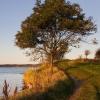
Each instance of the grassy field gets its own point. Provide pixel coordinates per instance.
(87, 72)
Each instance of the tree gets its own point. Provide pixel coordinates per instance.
(97, 54)
(87, 52)
(38, 2)
(52, 28)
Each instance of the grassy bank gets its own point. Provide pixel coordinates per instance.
(60, 87)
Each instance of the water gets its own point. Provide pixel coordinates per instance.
(13, 76)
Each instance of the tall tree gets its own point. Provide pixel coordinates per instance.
(52, 28)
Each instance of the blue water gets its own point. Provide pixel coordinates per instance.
(13, 76)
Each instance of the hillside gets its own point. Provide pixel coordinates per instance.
(89, 74)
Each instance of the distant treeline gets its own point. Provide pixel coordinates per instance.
(19, 65)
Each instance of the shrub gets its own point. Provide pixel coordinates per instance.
(41, 78)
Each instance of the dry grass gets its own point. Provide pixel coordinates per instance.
(42, 78)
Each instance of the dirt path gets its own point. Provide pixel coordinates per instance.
(76, 91)
(78, 85)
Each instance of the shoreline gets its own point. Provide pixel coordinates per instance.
(19, 65)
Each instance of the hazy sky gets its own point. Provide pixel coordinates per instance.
(13, 12)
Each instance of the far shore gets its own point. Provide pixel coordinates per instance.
(19, 65)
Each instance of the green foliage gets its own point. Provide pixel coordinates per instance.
(90, 73)
(52, 28)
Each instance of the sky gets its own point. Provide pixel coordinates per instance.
(13, 12)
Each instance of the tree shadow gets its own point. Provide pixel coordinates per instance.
(60, 91)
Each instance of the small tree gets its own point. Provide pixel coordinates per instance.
(52, 28)
(97, 54)
(87, 52)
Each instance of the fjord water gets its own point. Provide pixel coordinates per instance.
(13, 76)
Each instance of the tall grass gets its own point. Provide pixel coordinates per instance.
(41, 79)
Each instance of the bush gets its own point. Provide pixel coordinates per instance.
(41, 78)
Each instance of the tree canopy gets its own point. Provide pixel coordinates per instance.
(52, 28)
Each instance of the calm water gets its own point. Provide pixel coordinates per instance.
(13, 76)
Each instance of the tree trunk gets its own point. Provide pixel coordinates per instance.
(86, 57)
(50, 59)
(51, 64)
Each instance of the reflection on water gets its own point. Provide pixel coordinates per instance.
(13, 76)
